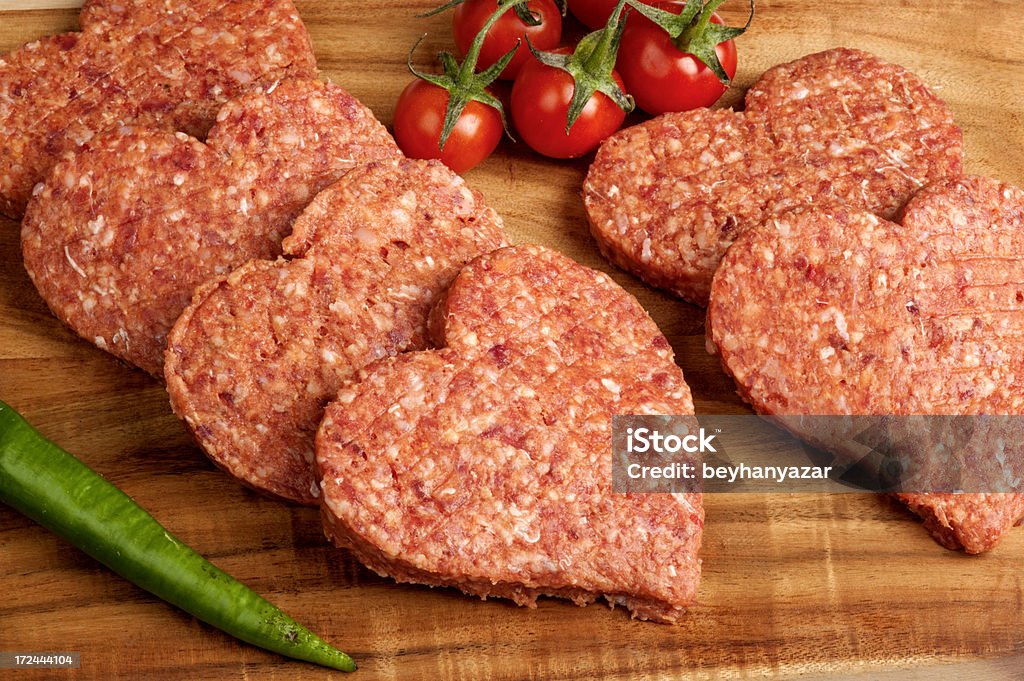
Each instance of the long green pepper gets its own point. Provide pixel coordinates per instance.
(61, 493)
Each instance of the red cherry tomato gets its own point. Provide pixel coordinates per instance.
(540, 105)
(419, 116)
(660, 76)
(594, 13)
(470, 17)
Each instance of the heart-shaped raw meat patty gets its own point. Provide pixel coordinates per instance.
(256, 356)
(486, 465)
(841, 312)
(165, 64)
(667, 197)
(121, 233)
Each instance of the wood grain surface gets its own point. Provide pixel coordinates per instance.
(843, 586)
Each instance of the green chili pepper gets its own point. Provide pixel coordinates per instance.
(64, 495)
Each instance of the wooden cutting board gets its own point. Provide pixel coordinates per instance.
(841, 586)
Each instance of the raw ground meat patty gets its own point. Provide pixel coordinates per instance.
(120, 234)
(666, 198)
(256, 356)
(486, 465)
(167, 64)
(841, 312)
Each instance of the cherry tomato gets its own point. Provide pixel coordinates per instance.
(594, 13)
(419, 116)
(540, 105)
(470, 17)
(660, 76)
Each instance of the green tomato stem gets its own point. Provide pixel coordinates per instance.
(597, 58)
(697, 29)
(468, 70)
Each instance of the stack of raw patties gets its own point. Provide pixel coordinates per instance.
(847, 267)
(293, 261)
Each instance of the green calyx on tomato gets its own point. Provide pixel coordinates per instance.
(528, 17)
(591, 65)
(693, 32)
(543, 28)
(461, 81)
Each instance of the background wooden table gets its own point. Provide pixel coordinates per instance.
(838, 586)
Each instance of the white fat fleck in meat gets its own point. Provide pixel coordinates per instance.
(318, 105)
(645, 250)
(242, 77)
(295, 288)
(340, 307)
(401, 218)
(840, 321)
(621, 223)
(782, 227)
(121, 337)
(80, 137)
(408, 200)
(74, 265)
(408, 292)
(366, 237)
